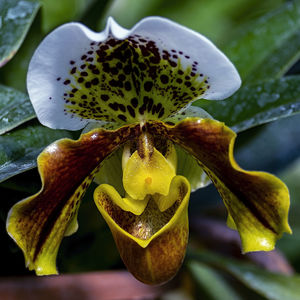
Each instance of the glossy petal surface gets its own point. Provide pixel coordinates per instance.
(258, 202)
(67, 167)
(147, 73)
(152, 245)
(148, 175)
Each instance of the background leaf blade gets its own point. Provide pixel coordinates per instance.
(261, 39)
(257, 104)
(16, 17)
(15, 109)
(20, 148)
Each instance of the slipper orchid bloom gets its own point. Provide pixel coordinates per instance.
(143, 143)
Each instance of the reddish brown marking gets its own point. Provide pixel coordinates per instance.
(63, 170)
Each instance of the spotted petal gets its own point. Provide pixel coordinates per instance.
(67, 167)
(257, 202)
(148, 73)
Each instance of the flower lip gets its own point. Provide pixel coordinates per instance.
(115, 226)
(65, 96)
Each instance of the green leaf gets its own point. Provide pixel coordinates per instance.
(15, 109)
(270, 285)
(95, 15)
(257, 104)
(15, 19)
(267, 35)
(20, 148)
(277, 63)
(58, 12)
(205, 276)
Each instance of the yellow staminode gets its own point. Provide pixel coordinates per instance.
(147, 175)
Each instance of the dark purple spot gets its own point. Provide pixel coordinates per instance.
(162, 111)
(134, 102)
(104, 97)
(148, 86)
(127, 86)
(142, 109)
(164, 79)
(170, 123)
(95, 81)
(127, 70)
(66, 82)
(114, 106)
(173, 64)
(72, 62)
(150, 104)
(155, 59)
(122, 107)
(121, 77)
(122, 117)
(114, 71)
(142, 66)
(158, 107)
(131, 111)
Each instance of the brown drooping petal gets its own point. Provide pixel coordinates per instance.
(257, 202)
(67, 167)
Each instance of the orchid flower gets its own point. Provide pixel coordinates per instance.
(143, 143)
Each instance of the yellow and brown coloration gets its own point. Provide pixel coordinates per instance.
(152, 245)
(67, 168)
(257, 202)
(137, 79)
